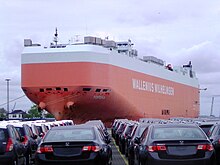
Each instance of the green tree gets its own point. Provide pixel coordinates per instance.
(3, 113)
(34, 113)
(49, 115)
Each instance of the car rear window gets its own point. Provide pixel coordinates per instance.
(178, 133)
(3, 135)
(70, 135)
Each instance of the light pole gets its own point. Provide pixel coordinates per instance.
(7, 81)
(213, 98)
(201, 89)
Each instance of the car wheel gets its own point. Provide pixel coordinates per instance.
(15, 162)
(24, 161)
(109, 161)
(28, 159)
(126, 152)
(122, 150)
(142, 162)
(130, 161)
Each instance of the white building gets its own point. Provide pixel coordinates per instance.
(16, 114)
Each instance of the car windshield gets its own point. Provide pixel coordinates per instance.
(70, 135)
(177, 133)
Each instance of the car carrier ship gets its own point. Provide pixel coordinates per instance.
(103, 79)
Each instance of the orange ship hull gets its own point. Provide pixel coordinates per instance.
(89, 90)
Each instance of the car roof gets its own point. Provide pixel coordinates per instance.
(170, 125)
(73, 126)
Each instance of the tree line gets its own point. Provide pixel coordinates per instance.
(32, 113)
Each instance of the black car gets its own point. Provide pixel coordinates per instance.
(78, 144)
(176, 144)
(102, 129)
(29, 141)
(206, 126)
(125, 134)
(115, 125)
(12, 150)
(214, 136)
(131, 141)
(129, 137)
(119, 131)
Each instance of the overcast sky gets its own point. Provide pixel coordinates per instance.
(177, 31)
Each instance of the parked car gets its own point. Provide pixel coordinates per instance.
(115, 125)
(119, 131)
(78, 144)
(131, 143)
(206, 126)
(124, 135)
(12, 150)
(214, 136)
(176, 144)
(101, 127)
(35, 131)
(129, 137)
(29, 142)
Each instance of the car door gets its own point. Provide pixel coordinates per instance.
(140, 147)
(3, 140)
(18, 146)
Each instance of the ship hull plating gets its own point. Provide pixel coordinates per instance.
(91, 90)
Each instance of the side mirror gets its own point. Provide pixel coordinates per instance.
(129, 137)
(22, 139)
(108, 141)
(137, 140)
(41, 135)
(35, 136)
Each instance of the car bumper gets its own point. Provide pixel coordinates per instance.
(7, 158)
(155, 160)
(40, 159)
(179, 162)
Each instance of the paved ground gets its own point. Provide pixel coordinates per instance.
(117, 157)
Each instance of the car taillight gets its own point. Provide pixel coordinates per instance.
(25, 142)
(156, 148)
(205, 147)
(218, 141)
(45, 149)
(9, 146)
(91, 148)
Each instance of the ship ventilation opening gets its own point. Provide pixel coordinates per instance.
(41, 90)
(86, 89)
(106, 90)
(58, 88)
(65, 89)
(98, 90)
